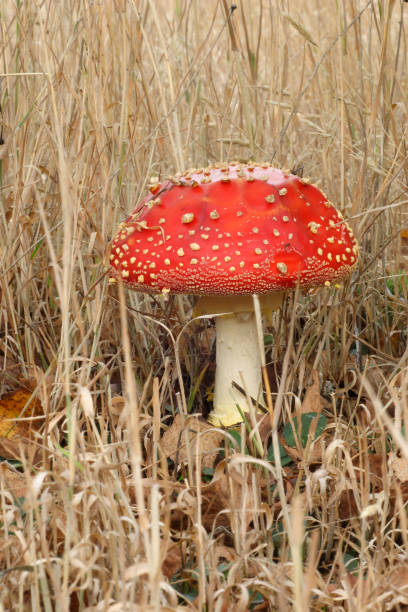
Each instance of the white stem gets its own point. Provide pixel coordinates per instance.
(238, 359)
(239, 345)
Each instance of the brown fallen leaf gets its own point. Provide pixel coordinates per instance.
(398, 578)
(399, 466)
(264, 426)
(118, 607)
(313, 401)
(166, 487)
(353, 588)
(224, 552)
(391, 587)
(371, 468)
(12, 481)
(366, 411)
(15, 432)
(174, 440)
(347, 505)
(9, 371)
(231, 495)
(172, 562)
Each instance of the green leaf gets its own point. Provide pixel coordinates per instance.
(306, 422)
(237, 437)
(65, 453)
(397, 283)
(196, 387)
(256, 599)
(208, 473)
(284, 457)
(38, 246)
(351, 562)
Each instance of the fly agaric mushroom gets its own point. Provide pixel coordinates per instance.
(225, 233)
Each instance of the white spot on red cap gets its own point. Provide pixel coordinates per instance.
(282, 267)
(313, 226)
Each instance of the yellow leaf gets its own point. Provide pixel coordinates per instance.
(14, 431)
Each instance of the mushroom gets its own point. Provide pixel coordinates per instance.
(224, 233)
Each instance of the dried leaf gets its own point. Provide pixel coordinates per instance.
(118, 607)
(119, 415)
(224, 552)
(231, 494)
(12, 481)
(167, 487)
(366, 411)
(264, 426)
(172, 563)
(398, 578)
(195, 432)
(10, 370)
(313, 400)
(15, 432)
(363, 589)
(399, 466)
(6, 139)
(213, 505)
(347, 505)
(373, 466)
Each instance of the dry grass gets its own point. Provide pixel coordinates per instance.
(96, 98)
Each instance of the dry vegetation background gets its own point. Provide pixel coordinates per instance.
(100, 509)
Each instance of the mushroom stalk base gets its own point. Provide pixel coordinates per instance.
(238, 352)
(239, 360)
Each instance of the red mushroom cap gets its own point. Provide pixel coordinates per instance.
(233, 229)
